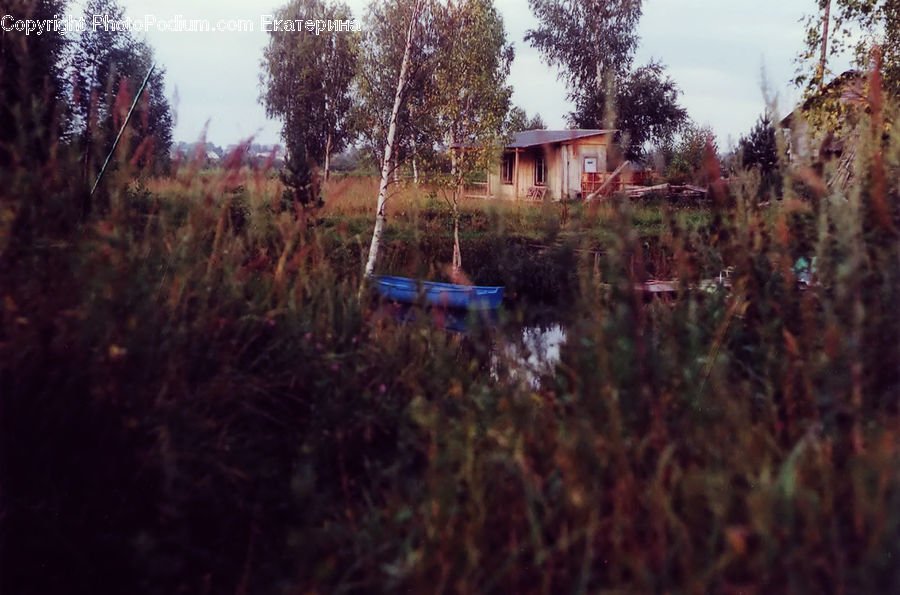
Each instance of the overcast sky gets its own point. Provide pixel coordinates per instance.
(716, 50)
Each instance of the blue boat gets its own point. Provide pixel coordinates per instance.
(446, 295)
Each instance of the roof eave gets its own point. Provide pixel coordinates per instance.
(558, 141)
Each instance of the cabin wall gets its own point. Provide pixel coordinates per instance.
(555, 172)
(526, 172)
(799, 139)
(565, 163)
(575, 153)
(499, 189)
(527, 165)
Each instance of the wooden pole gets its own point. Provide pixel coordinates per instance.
(516, 174)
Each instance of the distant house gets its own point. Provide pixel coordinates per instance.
(551, 165)
(807, 143)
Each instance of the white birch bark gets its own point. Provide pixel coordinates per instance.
(389, 147)
(457, 194)
(328, 158)
(415, 167)
(457, 254)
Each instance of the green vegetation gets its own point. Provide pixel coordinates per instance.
(193, 397)
(593, 45)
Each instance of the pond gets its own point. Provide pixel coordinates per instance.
(526, 347)
(530, 354)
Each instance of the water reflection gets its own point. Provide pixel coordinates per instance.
(524, 351)
(531, 355)
(462, 322)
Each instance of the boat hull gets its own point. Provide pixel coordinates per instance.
(445, 295)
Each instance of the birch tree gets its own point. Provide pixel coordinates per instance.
(470, 97)
(387, 159)
(106, 69)
(307, 82)
(591, 41)
(383, 48)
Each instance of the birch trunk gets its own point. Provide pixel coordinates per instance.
(457, 254)
(389, 147)
(328, 157)
(414, 165)
(824, 58)
(457, 192)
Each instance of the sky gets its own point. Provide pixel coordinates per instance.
(721, 53)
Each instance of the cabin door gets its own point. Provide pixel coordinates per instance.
(574, 165)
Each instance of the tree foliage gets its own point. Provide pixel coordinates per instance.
(517, 120)
(586, 39)
(593, 43)
(307, 82)
(453, 93)
(31, 84)
(759, 148)
(855, 27)
(684, 157)
(646, 108)
(381, 53)
(470, 96)
(107, 69)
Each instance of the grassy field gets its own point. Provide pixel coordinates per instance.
(196, 399)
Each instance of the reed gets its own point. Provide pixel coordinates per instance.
(192, 398)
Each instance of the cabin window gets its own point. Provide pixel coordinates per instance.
(540, 171)
(506, 169)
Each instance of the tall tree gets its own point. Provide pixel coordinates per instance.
(382, 51)
(451, 91)
(413, 27)
(517, 120)
(307, 79)
(646, 108)
(471, 97)
(31, 84)
(107, 68)
(591, 41)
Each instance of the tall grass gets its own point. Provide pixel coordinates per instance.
(193, 399)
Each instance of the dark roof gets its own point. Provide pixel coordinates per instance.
(846, 88)
(532, 138)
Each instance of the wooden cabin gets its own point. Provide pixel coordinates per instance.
(847, 94)
(551, 165)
